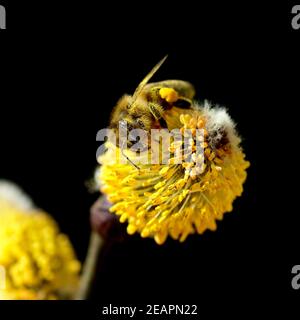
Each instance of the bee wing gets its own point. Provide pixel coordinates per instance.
(184, 88)
(141, 86)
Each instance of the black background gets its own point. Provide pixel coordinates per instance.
(62, 70)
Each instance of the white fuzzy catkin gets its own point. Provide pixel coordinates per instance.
(13, 194)
(218, 122)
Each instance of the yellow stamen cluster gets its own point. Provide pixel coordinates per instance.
(38, 260)
(176, 199)
(191, 160)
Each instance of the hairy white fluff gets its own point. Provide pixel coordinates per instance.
(13, 194)
(218, 122)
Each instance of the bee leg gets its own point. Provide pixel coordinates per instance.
(172, 96)
(183, 88)
(161, 94)
(156, 110)
(169, 96)
(127, 158)
(163, 123)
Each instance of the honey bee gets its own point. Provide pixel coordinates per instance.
(146, 107)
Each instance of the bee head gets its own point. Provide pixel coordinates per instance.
(134, 133)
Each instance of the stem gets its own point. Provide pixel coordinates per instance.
(95, 246)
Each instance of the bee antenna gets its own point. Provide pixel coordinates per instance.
(148, 77)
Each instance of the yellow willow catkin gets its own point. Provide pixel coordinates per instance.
(38, 260)
(179, 199)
